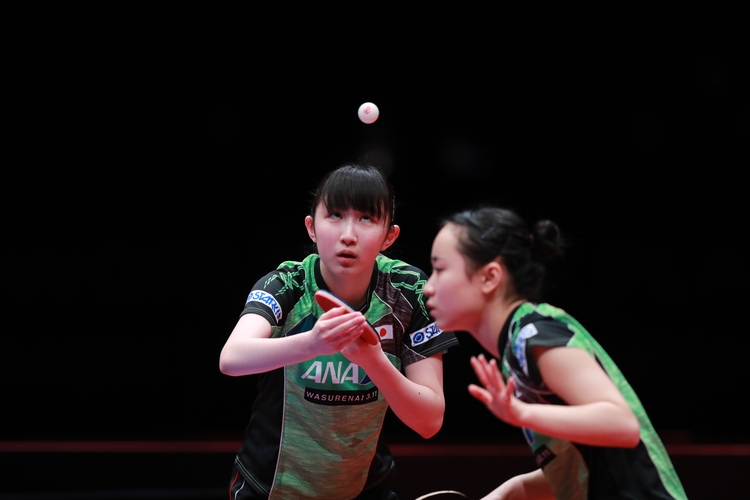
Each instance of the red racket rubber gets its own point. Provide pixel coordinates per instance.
(328, 301)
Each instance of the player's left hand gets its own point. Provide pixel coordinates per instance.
(359, 350)
(496, 395)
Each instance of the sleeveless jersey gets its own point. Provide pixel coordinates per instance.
(315, 426)
(573, 470)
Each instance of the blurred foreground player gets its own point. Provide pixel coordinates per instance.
(586, 427)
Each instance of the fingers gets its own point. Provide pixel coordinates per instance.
(495, 375)
(491, 378)
(337, 316)
(494, 392)
(487, 372)
(476, 365)
(334, 312)
(481, 394)
(340, 326)
(510, 388)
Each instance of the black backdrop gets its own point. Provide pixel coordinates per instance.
(158, 160)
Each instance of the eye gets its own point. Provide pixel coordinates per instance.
(372, 218)
(334, 215)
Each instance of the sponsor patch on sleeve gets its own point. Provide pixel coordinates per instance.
(425, 334)
(519, 345)
(267, 299)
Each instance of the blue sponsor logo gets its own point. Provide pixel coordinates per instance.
(425, 334)
(519, 345)
(267, 299)
(529, 435)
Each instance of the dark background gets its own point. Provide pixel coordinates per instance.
(158, 160)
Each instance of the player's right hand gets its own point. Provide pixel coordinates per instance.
(336, 329)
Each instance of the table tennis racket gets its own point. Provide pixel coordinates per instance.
(327, 301)
(442, 494)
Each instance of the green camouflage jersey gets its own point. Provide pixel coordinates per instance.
(577, 471)
(315, 427)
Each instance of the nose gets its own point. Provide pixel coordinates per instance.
(348, 233)
(429, 289)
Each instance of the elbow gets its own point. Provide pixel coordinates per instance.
(633, 438)
(431, 428)
(225, 365)
(629, 441)
(432, 421)
(429, 433)
(631, 434)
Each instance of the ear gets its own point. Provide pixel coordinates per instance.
(310, 225)
(491, 276)
(393, 233)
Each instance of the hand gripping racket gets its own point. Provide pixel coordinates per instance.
(328, 301)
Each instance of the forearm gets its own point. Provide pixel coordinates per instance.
(419, 406)
(250, 348)
(598, 424)
(248, 355)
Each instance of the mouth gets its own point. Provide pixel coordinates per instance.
(346, 257)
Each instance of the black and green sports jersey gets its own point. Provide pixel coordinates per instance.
(573, 470)
(315, 427)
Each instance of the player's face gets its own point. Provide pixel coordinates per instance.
(348, 240)
(453, 298)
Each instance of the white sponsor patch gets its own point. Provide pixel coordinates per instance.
(267, 299)
(519, 346)
(425, 334)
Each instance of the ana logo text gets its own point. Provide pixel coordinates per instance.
(333, 373)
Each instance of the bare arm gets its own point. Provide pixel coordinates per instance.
(249, 348)
(597, 414)
(532, 485)
(417, 398)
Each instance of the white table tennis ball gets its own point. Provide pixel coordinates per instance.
(368, 112)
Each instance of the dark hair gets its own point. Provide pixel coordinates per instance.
(358, 186)
(491, 232)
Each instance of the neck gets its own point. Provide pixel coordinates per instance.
(351, 289)
(490, 327)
